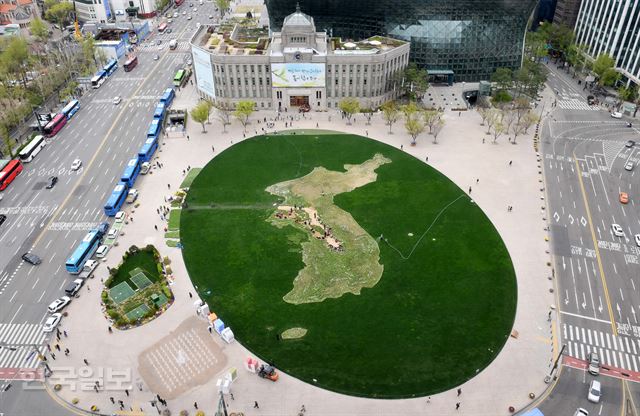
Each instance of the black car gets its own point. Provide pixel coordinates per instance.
(103, 228)
(52, 182)
(31, 259)
(630, 143)
(169, 30)
(3, 218)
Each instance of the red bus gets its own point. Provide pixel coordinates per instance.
(130, 64)
(162, 27)
(9, 173)
(55, 125)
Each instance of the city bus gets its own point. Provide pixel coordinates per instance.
(10, 170)
(162, 27)
(98, 79)
(55, 125)
(154, 129)
(84, 251)
(167, 97)
(131, 172)
(111, 67)
(180, 77)
(71, 108)
(117, 198)
(159, 111)
(148, 149)
(130, 64)
(32, 149)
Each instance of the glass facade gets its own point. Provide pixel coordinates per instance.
(470, 37)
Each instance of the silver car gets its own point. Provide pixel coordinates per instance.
(617, 230)
(52, 322)
(629, 166)
(594, 363)
(59, 304)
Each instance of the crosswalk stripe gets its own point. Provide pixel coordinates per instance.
(589, 336)
(626, 341)
(571, 332)
(602, 338)
(626, 356)
(608, 341)
(615, 360)
(620, 346)
(595, 338)
(582, 356)
(602, 354)
(584, 338)
(621, 359)
(633, 344)
(635, 364)
(608, 357)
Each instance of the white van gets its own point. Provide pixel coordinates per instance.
(173, 44)
(144, 169)
(201, 2)
(102, 251)
(132, 196)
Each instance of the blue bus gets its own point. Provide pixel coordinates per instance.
(117, 198)
(111, 67)
(154, 129)
(159, 112)
(148, 149)
(167, 97)
(71, 108)
(84, 251)
(131, 172)
(98, 79)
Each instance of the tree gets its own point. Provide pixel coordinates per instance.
(367, 113)
(200, 114)
(558, 37)
(517, 129)
(58, 12)
(503, 78)
(536, 45)
(628, 93)
(223, 6)
(413, 81)
(484, 113)
(414, 125)
(575, 56)
(529, 120)
(14, 59)
(409, 109)
(610, 77)
(498, 129)
(8, 141)
(243, 111)
(493, 117)
(390, 113)
(223, 113)
(431, 118)
(39, 30)
(349, 106)
(437, 128)
(602, 63)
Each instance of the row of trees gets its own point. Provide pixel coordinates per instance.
(527, 80)
(512, 119)
(201, 113)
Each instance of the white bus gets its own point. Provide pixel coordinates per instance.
(32, 149)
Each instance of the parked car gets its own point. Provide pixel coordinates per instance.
(102, 251)
(189, 17)
(52, 322)
(77, 164)
(594, 391)
(156, 57)
(120, 216)
(581, 412)
(117, 100)
(594, 363)
(616, 114)
(630, 143)
(103, 228)
(73, 287)
(58, 304)
(31, 259)
(617, 230)
(51, 182)
(624, 197)
(132, 195)
(113, 234)
(629, 166)
(169, 30)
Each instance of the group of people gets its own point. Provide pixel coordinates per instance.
(326, 234)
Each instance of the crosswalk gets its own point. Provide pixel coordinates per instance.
(183, 46)
(19, 343)
(620, 352)
(576, 104)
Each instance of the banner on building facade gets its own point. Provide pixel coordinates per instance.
(204, 72)
(297, 75)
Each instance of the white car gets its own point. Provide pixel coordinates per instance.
(184, 13)
(189, 17)
(170, 21)
(195, 9)
(52, 322)
(59, 304)
(594, 392)
(616, 114)
(117, 100)
(629, 166)
(617, 230)
(102, 251)
(112, 234)
(77, 164)
(581, 412)
(210, 16)
(120, 216)
(175, 15)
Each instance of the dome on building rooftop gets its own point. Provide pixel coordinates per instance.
(298, 19)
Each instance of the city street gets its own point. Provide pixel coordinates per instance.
(584, 153)
(51, 222)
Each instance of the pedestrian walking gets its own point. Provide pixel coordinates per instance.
(112, 400)
(158, 210)
(110, 330)
(510, 162)
(457, 405)
(231, 394)
(426, 159)
(53, 355)
(483, 140)
(188, 168)
(469, 190)
(95, 388)
(88, 290)
(85, 361)
(126, 392)
(213, 149)
(188, 138)
(459, 392)
(57, 347)
(429, 400)
(316, 124)
(183, 172)
(190, 295)
(303, 409)
(401, 146)
(66, 352)
(477, 181)
(255, 405)
(459, 113)
(131, 219)
(549, 318)
(49, 347)
(168, 186)
(195, 404)
(156, 227)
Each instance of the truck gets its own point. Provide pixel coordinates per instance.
(88, 269)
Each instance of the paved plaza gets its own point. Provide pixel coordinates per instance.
(176, 357)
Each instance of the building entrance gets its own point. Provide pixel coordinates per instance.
(298, 100)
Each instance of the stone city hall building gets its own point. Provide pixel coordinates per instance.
(296, 67)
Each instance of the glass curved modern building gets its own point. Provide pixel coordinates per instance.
(469, 37)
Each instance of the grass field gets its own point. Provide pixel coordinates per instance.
(441, 311)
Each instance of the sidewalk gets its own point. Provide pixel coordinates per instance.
(518, 371)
